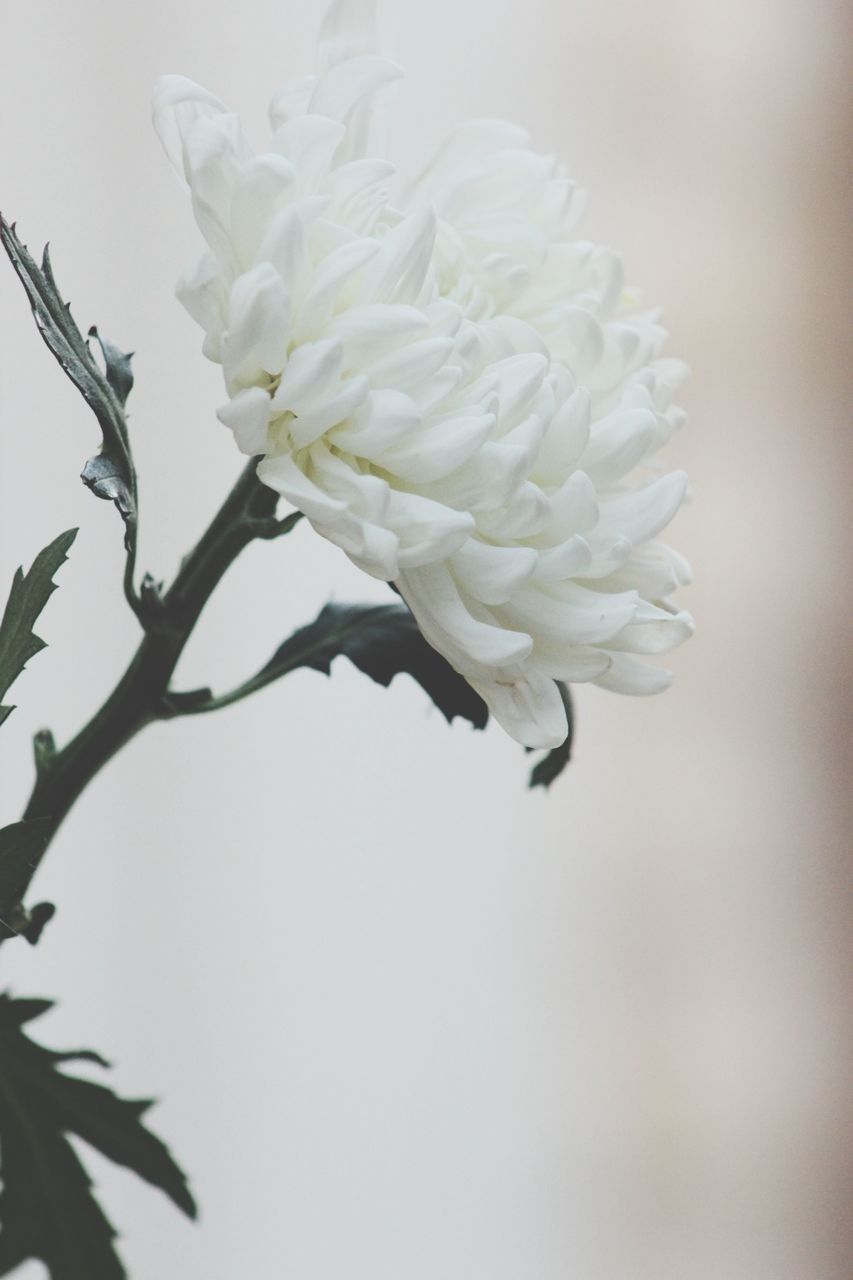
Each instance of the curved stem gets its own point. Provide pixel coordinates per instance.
(140, 696)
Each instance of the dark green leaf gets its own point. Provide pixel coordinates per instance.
(381, 640)
(47, 1209)
(30, 593)
(553, 764)
(109, 474)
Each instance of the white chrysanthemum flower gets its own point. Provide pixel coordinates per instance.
(451, 389)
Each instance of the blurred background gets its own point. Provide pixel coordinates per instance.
(407, 1020)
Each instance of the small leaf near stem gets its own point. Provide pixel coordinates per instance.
(22, 844)
(29, 594)
(269, 527)
(47, 1209)
(110, 472)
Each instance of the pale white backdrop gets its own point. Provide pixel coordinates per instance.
(408, 1021)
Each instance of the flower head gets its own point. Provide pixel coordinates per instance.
(453, 389)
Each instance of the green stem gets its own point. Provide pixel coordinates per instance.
(140, 696)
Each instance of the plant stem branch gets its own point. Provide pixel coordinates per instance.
(140, 696)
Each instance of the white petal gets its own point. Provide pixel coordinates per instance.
(574, 509)
(433, 452)
(515, 381)
(524, 517)
(569, 614)
(469, 645)
(413, 364)
(565, 439)
(567, 560)
(248, 415)
(283, 245)
(372, 548)
(312, 375)
(328, 282)
(427, 530)
(574, 663)
(398, 272)
(530, 709)
(202, 291)
(348, 30)
(378, 554)
(258, 191)
(640, 515)
(628, 675)
(608, 556)
(462, 149)
(256, 339)
(654, 631)
(283, 475)
(309, 425)
(655, 570)
(618, 444)
(309, 143)
(373, 329)
(382, 419)
(365, 494)
(213, 161)
(177, 104)
(492, 574)
(338, 91)
(291, 100)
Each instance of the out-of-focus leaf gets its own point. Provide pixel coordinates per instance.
(47, 1207)
(30, 593)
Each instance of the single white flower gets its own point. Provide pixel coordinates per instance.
(452, 389)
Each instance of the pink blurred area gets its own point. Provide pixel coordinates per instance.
(408, 1020)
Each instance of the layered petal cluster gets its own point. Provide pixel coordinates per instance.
(452, 389)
